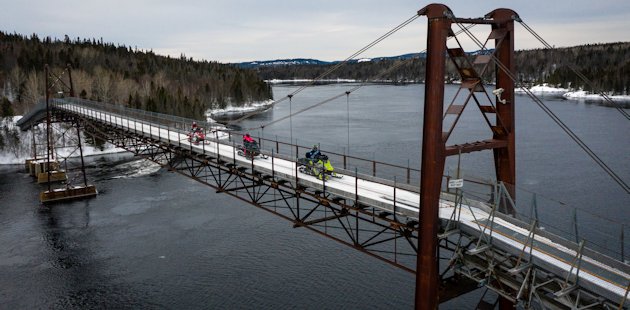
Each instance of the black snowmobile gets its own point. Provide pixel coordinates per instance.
(251, 150)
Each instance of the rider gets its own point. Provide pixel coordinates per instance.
(248, 139)
(314, 153)
(248, 142)
(191, 134)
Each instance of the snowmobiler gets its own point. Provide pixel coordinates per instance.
(314, 152)
(250, 148)
(317, 164)
(196, 135)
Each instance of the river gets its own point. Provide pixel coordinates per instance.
(155, 239)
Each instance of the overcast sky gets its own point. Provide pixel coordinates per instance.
(245, 30)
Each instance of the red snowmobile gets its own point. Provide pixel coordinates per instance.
(196, 136)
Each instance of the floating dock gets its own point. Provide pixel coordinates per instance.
(69, 193)
(55, 176)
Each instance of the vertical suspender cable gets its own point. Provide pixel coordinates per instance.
(353, 89)
(348, 113)
(291, 125)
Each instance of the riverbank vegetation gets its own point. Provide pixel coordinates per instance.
(607, 66)
(125, 75)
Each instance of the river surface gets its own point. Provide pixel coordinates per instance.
(155, 239)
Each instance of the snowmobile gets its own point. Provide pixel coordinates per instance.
(251, 150)
(196, 136)
(318, 166)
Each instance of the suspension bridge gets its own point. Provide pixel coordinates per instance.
(408, 226)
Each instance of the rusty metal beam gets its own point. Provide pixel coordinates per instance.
(490, 144)
(432, 165)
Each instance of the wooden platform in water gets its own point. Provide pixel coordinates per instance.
(55, 176)
(70, 193)
(37, 166)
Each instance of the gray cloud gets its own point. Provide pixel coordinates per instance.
(239, 30)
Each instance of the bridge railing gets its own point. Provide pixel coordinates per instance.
(366, 167)
(603, 235)
(175, 123)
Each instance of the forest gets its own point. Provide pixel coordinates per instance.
(606, 66)
(123, 75)
(186, 87)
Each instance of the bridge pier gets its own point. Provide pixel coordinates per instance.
(51, 165)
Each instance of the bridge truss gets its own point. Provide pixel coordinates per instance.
(470, 259)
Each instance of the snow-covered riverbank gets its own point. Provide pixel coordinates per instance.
(547, 91)
(587, 96)
(18, 145)
(231, 113)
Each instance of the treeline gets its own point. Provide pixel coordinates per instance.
(120, 74)
(607, 66)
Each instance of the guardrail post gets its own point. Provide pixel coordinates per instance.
(623, 258)
(373, 168)
(356, 203)
(534, 211)
(297, 194)
(575, 225)
(273, 169)
(395, 218)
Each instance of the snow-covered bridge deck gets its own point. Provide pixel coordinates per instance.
(586, 269)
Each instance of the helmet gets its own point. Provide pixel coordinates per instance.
(194, 124)
(315, 146)
(247, 135)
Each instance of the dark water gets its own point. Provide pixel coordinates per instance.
(160, 240)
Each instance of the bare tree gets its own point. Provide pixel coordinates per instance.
(33, 90)
(82, 83)
(102, 85)
(16, 80)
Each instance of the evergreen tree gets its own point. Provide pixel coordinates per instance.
(5, 108)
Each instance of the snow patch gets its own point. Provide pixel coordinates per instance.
(236, 112)
(543, 90)
(279, 81)
(587, 96)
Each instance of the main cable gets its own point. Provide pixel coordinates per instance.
(552, 115)
(336, 66)
(579, 74)
(351, 90)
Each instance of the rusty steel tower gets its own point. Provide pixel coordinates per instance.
(499, 117)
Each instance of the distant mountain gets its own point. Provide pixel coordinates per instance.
(606, 65)
(309, 61)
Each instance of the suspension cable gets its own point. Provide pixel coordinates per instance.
(550, 113)
(579, 74)
(351, 90)
(336, 66)
(359, 52)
